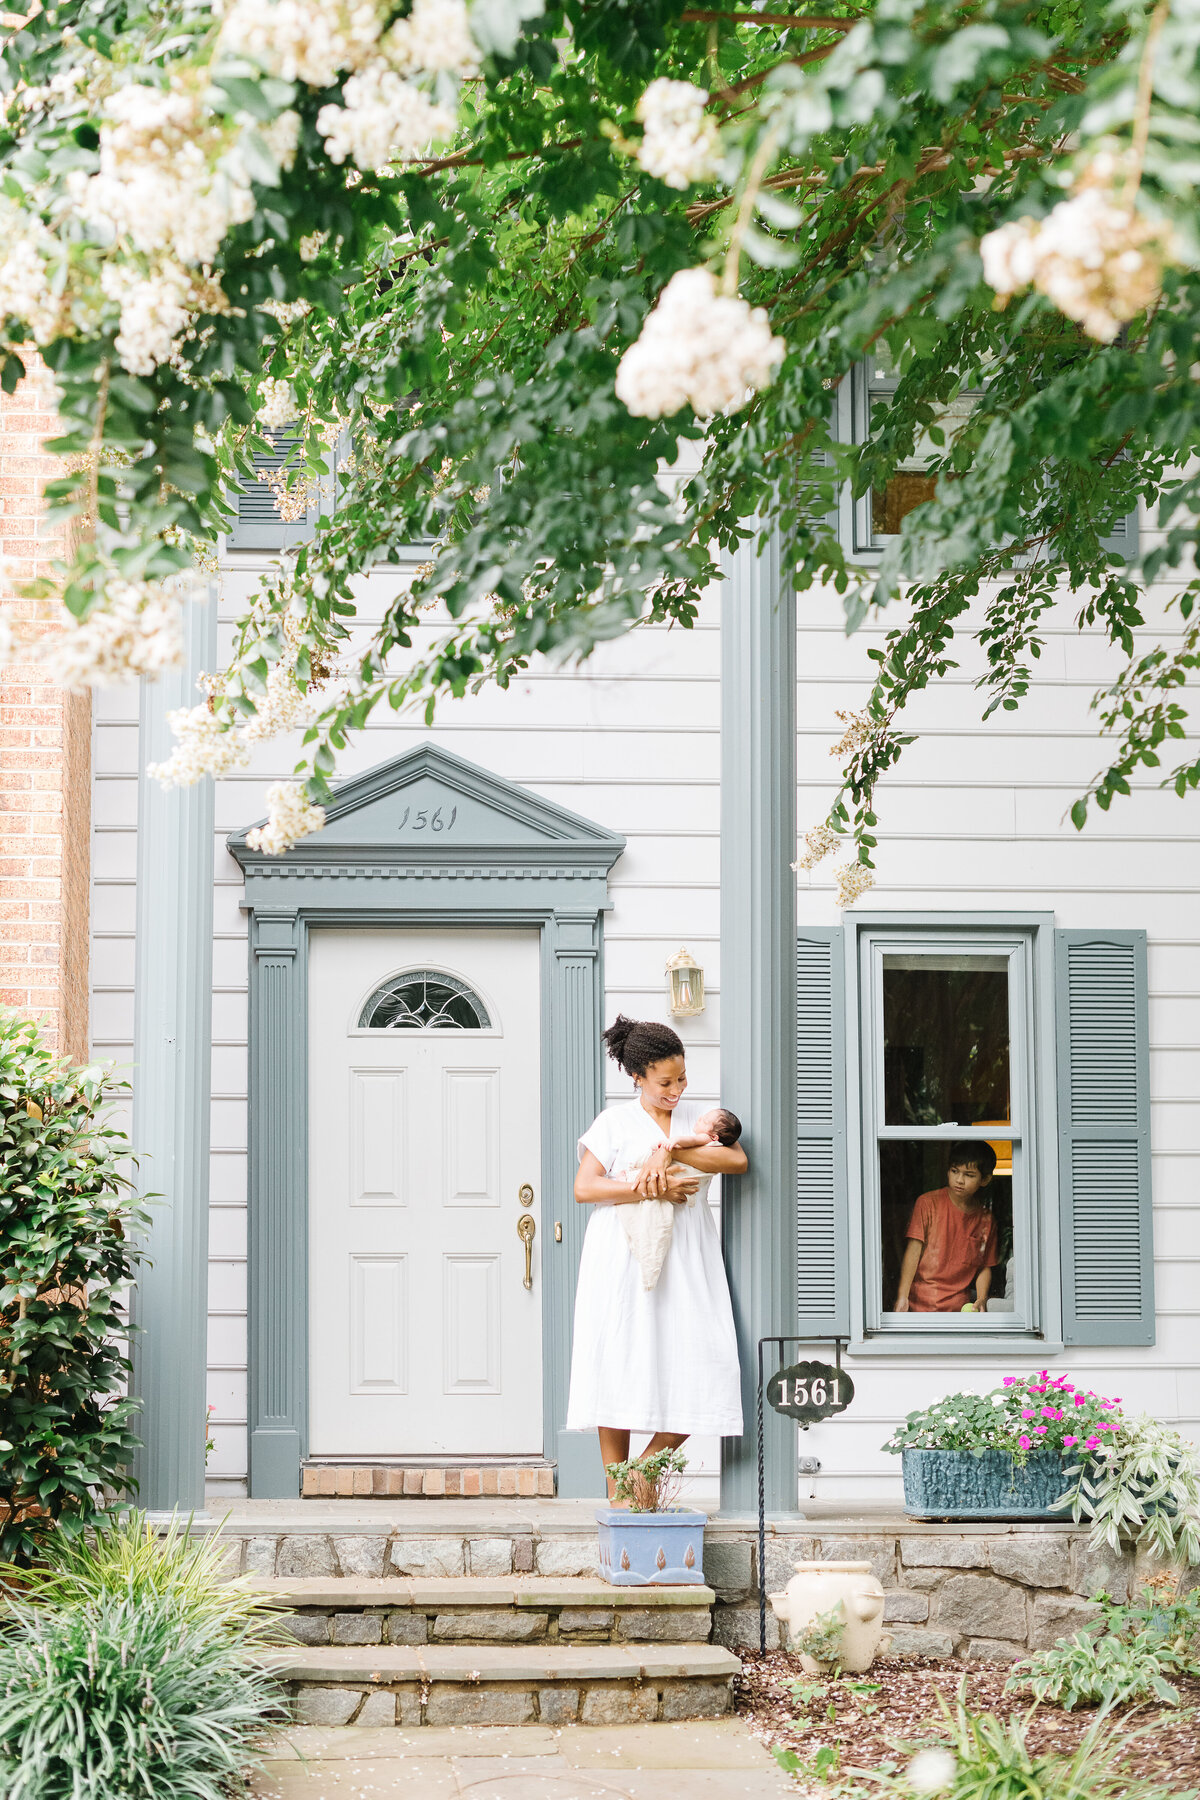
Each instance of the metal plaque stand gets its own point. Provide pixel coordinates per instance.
(837, 1342)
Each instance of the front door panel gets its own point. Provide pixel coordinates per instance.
(423, 1129)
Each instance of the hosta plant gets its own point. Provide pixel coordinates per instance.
(1143, 1490)
(68, 1221)
(1127, 1655)
(128, 1671)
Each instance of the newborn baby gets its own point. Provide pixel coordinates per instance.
(648, 1223)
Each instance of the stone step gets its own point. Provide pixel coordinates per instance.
(474, 1610)
(556, 1684)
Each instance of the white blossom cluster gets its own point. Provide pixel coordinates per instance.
(27, 289)
(302, 40)
(818, 843)
(290, 817)
(932, 1771)
(154, 311)
(858, 730)
(1093, 255)
(276, 403)
(385, 117)
(681, 144)
(435, 38)
(710, 351)
(853, 879)
(135, 632)
(203, 747)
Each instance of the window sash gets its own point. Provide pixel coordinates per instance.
(1017, 947)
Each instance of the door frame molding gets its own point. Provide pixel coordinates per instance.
(550, 872)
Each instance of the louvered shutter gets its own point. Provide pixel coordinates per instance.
(1104, 1137)
(822, 1271)
(1123, 538)
(258, 525)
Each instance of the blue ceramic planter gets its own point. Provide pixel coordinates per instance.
(955, 1484)
(664, 1549)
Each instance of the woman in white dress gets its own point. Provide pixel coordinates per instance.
(662, 1360)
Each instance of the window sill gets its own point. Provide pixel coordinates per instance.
(941, 1343)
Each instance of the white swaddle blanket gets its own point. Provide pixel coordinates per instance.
(648, 1224)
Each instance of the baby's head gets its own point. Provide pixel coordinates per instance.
(720, 1123)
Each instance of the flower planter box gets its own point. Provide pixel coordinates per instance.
(956, 1484)
(662, 1549)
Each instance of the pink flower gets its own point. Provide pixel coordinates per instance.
(1051, 1412)
(1093, 1443)
(1010, 1381)
(1068, 1387)
(1040, 1429)
(1027, 1412)
(1068, 1441)
(1023, 1441)
(1079, 1400)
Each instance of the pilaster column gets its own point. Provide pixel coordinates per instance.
(171, 1090)
(758, 990)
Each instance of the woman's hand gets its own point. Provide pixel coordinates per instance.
(651, 1184)
(680, 1188)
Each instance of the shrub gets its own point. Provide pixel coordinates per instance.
(128, 1671)
(67, 1218)
(1124, 1656)
(1144, 1491)
(649, 1483)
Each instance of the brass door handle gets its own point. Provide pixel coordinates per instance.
(525, 1231)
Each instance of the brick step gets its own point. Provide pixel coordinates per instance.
(474, 1610)
(446, 1480)
(557, 1684)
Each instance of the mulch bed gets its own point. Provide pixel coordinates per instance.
(865, 1727)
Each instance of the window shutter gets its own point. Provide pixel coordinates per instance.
(258, 525)
(822, 1271)
(1123, 538)
(1104, 1137)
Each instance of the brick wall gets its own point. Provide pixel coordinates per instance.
(45, 763)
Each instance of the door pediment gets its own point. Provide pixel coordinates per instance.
(430, 807)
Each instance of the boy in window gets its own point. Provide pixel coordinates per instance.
(952, 1239)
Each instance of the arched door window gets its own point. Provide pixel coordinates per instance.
(424, 1000)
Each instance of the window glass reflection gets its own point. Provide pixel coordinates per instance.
(910, 485)
(945, 1040)
(947, 1227)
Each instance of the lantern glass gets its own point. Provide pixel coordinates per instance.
(686, 991)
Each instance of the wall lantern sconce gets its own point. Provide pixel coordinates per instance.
(686, 985)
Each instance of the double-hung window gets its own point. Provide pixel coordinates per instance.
(993, 1044)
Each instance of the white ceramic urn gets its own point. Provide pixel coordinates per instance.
(820, 1587)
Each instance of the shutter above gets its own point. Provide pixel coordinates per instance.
(822, 1271)
(258, 525)
(1104, 1137)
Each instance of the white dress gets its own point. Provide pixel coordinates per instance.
(658, 1359)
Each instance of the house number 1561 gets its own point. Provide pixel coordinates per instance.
(810, 1391)
(424, 820)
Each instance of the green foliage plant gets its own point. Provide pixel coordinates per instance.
(1024, 1415)
(1126, 1656)
(129, 1671)
(980, 1757)
(649, 1483)
(1144, 1491)
(68, 1224)
(460, 317)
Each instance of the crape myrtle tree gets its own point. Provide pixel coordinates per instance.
(519, 259)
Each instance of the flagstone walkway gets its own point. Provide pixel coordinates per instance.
(711, 1759)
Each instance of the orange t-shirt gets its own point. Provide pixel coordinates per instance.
(957, 1245)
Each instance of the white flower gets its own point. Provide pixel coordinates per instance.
(27, 289)
(310, 246)
(302, 40)
(435, 36)
(932, 1771)
(853, 879)
(203, 748)
(133, 630)
(997, 1399)
(385, 118)
(818, 844)
(699, 348)
(153, 313)
(276, 404)
(290, 817)
(681, 144)
(1096, 258)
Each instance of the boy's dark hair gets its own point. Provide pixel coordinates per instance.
(729, 1126)
(636, 1043)
(973, 1150)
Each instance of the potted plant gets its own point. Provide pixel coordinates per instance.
(651, 1541)
(1038, 1447)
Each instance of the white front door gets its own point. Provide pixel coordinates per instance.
(424, 1155)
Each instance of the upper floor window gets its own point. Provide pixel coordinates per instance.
(424, 1000)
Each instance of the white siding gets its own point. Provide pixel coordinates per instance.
(974, 819)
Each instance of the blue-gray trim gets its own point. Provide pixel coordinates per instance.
(172, 1035)
(1103, 1058)
(519, 860)
(758, 1000)
(822, 1221)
